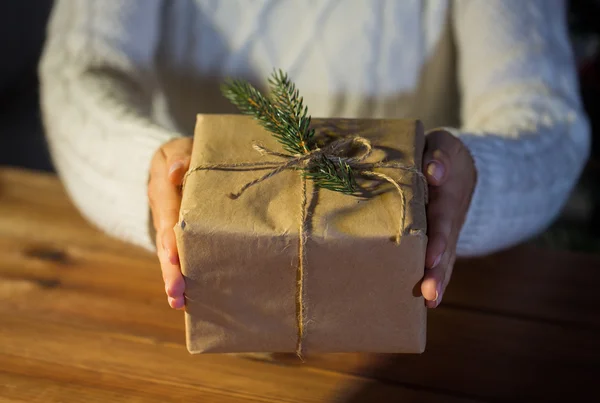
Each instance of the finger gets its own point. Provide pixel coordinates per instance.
(441, 248)
(440, 148)
(436, 279)
(431, 287)
(165, 201)
(177, 169)
(439, 227)
(169, 244)
(439, 277)
(443, 229)
(442, 235)
(177, 154)
(176, 303)
(172, 277)
(436, 166)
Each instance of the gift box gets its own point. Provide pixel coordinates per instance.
(291, 267)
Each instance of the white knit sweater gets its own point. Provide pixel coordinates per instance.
(121, 77)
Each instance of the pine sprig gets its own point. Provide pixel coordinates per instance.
(285, 116)
(251, 102)
(287, 99)
(332, 174)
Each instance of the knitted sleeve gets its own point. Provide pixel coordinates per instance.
(96, 84)
(522, 118)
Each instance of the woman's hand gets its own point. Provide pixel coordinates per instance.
(168, 166)
(451, 176)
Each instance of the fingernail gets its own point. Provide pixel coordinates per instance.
(167, 287)
(176, 165)
(435, 170)
(171, 301)
(176, 303)
(437, 294)
(437, 261)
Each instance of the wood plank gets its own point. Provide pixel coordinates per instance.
(111, 356)
(78, 308)
(33, 380)
(469, 354)
(530, 283)
(34, 204)
(488, 357)
(76, 266)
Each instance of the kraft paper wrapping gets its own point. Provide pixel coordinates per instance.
(240, 257)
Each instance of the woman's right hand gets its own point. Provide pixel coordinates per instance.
(168, 167)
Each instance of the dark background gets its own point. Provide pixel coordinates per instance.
(22, 33)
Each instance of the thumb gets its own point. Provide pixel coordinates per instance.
(436, 162)
(177, 154)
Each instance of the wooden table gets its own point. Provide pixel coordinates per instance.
(83, 318)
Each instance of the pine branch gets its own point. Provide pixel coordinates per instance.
(334, 175)
(287, 99)
(285, 116)
(251, 102)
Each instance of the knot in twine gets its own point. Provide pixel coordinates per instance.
(352, 151)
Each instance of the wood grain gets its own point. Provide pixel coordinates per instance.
(83, 317)
(538, 285)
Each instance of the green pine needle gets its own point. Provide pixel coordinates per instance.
(287, 99)
(334, 175)
(251, 102)
(285, 116)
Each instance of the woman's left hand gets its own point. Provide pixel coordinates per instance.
(451, 175)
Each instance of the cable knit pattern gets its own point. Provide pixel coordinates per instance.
(121, 77)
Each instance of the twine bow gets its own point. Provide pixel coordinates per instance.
(338, 151)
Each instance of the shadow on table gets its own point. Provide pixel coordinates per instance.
(388, 391)
(392, 382)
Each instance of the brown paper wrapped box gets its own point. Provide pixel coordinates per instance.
(360, 290)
